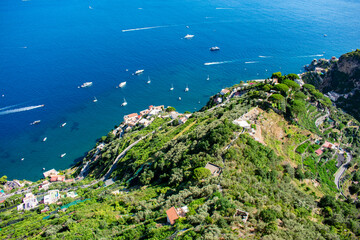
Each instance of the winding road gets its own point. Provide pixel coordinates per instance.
(341, 171)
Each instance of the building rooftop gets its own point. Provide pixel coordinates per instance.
(50, 172)
(172, 215)
(319, 152)
(214, 169)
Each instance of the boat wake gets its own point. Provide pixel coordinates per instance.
(217, 63)
(12, 106)
(265, 56)
(19, 109)
(220, 8)
(251, 62)
(316, 55)
(144, 28)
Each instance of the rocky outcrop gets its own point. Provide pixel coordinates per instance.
(339, 79)
(344, 75)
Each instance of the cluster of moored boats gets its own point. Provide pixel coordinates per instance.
(123, 84)
(45, 138)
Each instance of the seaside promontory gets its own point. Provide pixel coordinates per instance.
(265, 159)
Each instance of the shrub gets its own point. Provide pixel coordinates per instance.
(201, 173)
(268, 215)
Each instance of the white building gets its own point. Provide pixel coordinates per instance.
(182, 120)
(144, 122)
(154, 112)
(29, 202)
(52, 197)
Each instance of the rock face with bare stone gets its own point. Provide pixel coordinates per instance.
(343, 78)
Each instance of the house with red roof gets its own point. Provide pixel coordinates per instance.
(57, 178)
(224, 91)
(175, 213)
(328, 145)
(319, 152)
(171, 215)
(131, 116)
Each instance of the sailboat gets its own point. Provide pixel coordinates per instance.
(63, 155)
(149, 81)
(172, 87)
(95, 100)
(124, 103)
(187, 88)
(45, 138)
(208, 78)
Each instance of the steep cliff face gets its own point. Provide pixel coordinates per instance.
(343, 78)
(344, 75)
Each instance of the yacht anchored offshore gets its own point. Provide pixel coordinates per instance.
(86, 84)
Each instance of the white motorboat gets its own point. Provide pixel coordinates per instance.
(43, 169)
(86, 84)
(95, 100)
(189, 36)
(179, 98)
(214, 48)
(139, 72)
(35, 122)
(63, 125)
(186, 89)
(148, 81)
(63, 155)
(124, 103)
(208, 78)
(45, 138)
(22, 159)
(122, 84)
(172, 87)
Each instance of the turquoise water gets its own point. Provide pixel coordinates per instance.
(50, 47)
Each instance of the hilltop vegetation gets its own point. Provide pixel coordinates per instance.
(269, 170)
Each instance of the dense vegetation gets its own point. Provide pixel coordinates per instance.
(274, 175)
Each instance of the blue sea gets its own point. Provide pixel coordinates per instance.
(50, 47)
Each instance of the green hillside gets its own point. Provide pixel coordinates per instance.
(269, 170)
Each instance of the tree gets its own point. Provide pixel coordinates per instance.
(291, 84)
(299, 174)
(309, 87)
(267, 88)
(276, 98)
(146, 177)
(268, 215)
(292, 76)
(289, 170)
(282, 88)
(300, 95)
(3, 179)
(177, 176)
(277, 75)
(201, 173)
(170, 109)
(328, 201)
(298, 107)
